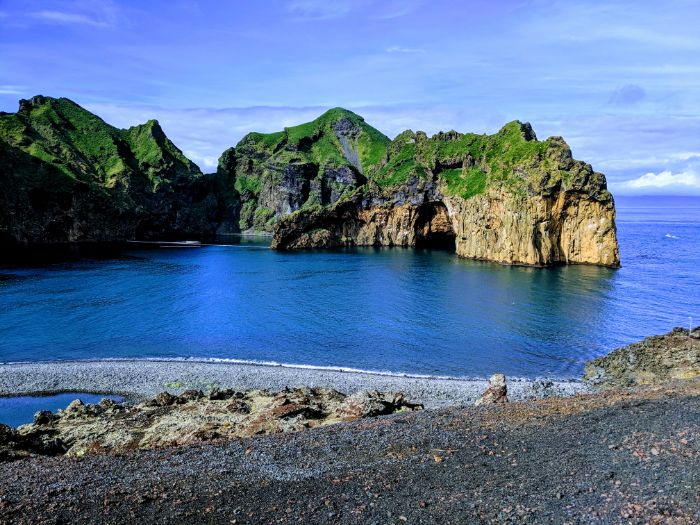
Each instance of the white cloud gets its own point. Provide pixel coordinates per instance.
(327, 9)
(205, 163)
(319, 9)
(647, 161)
(11, 90)
(628, 95)
(389, 10)
(59, 17)
(399, 49)
(685, 155)
(684, 182)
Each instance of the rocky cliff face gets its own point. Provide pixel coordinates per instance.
(303, 167)
(506, 197)
(537, 230)
(67, 176)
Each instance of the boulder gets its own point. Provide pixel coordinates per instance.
(43, 417)
(496, 393)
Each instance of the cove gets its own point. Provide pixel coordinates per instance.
(402, 310)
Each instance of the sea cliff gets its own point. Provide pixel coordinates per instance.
(506, 198)
(68, 176)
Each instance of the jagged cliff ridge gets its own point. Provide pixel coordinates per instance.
(66, 176)
(505, 197)
(303, 167)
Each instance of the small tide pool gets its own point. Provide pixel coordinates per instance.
(19, 410)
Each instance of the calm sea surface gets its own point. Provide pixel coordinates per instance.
(397, 310)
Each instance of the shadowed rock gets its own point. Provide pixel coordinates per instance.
(656, 359)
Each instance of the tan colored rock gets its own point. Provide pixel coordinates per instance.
(496, 393)
(536, 230)
(191, 417)
(569, 228)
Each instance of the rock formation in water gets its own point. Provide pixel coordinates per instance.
(505, 197)
(67, 176)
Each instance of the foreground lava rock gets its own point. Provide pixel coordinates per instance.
(655, 360)
(191, 417)
(629, 456)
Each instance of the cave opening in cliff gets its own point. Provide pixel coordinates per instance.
(434, 227)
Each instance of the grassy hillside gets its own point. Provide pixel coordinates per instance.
(81, 145)
(311, 164)
(65, 174)
(467, 164)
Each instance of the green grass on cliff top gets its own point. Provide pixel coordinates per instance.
(83, 146)
(495, 160)
(316, 142)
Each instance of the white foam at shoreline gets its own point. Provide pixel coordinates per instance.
(299, 366)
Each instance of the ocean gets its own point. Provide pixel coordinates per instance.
(392, 310)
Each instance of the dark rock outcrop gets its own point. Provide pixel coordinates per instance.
(655, 360)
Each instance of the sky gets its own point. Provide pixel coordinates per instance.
(619, 80)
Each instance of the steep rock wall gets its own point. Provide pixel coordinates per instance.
(567, 228)
(538, 230)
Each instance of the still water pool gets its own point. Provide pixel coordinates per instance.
(18, 410)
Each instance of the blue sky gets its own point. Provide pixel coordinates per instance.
(620, 80)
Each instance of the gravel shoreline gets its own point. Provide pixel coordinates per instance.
(624, 457)
(142, 379)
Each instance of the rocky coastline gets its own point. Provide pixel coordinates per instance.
(175, 403)
(527, 452)
(69, 177)
(612, 454)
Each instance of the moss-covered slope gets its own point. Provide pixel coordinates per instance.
(66, 175)
(305, 166)
(323, 162)
(512, 160)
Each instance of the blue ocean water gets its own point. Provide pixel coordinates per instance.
(15, 411)
(381, 309)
